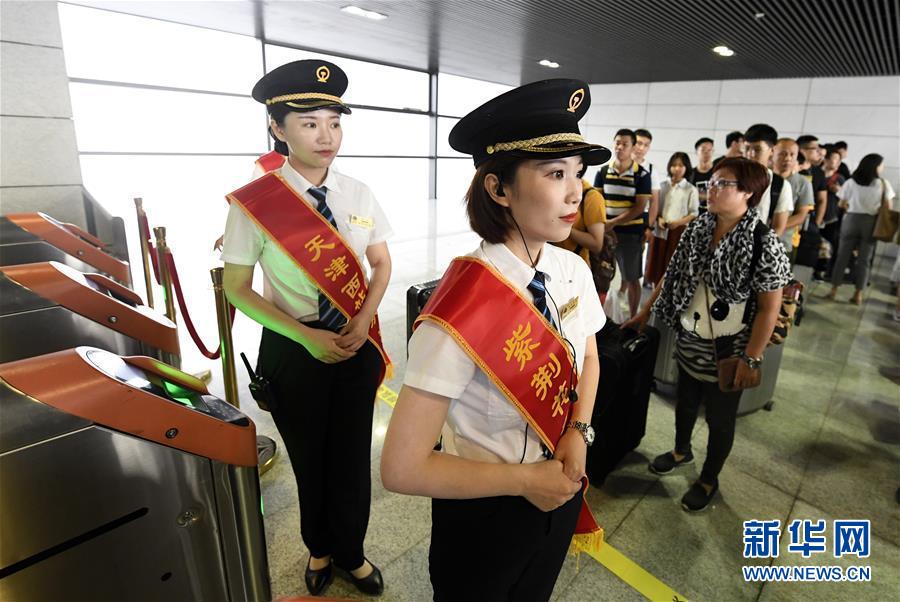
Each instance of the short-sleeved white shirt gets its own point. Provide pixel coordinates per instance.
(481, 423)
(785, 201)
(655, 177)
(865, 199)
(678, 201)
(284, 284)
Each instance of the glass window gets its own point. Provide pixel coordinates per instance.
(453, 179)
(459, 95)
(401, 187)
(115, 118)
(369, 83)
(384, 133)
(100, 44)
(445, 124)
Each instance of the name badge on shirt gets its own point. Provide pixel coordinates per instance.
(568, 308)
(365, 222)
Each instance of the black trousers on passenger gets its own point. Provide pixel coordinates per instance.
(324, 414)
(498, 548)
(721, 416)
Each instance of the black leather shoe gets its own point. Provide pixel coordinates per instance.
(373, 584)
(317, 581)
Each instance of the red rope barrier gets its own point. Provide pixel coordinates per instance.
(179, 294)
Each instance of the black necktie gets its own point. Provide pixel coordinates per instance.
(539, 290)
(329, 315)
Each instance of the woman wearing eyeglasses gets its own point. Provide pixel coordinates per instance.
(726, 260)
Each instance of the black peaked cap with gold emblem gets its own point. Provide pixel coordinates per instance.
(534, 121)
(304, 85)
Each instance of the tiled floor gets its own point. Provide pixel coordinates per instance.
(829, 449)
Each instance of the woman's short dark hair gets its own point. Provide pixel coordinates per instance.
(685, 160)
(750, 175)
(627, 132)
(867, 170)
(490, 220)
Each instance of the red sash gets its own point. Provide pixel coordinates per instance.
(524, 357)
(271, 161)
(313, 244)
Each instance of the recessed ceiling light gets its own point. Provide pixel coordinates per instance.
(723, 51)
(361, 12)
(759, 15)
(548, 63)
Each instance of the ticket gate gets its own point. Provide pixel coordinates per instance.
(35, 237)
(49, 306)
(122, 478)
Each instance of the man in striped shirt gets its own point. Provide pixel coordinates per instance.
(626, 187)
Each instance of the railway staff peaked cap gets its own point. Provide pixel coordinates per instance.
(304, 85)
(534, 121)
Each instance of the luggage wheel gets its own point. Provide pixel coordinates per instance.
(768, 406)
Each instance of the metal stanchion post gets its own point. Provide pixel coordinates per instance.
(266, 447)
(145, 249)
(227, 347)
(162, 250)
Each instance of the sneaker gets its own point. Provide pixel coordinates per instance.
(696, 498)
(666, 463)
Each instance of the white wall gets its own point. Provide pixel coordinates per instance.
(863, 111)
(39, 170)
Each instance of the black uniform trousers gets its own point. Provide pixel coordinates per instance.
(721, 418)
(324, 414)
(498, 548)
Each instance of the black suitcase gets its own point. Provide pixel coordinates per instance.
(416, 297)
(627, 363)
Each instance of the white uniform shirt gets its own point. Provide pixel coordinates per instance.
(284, 284)
(865, 199)
(785, 201)
(481, 423)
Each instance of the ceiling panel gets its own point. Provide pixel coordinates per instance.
(603, 42)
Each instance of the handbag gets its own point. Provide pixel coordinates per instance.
(727, 368)
(888, 221)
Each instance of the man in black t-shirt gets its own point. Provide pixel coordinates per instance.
(815, 154)
(703, 171)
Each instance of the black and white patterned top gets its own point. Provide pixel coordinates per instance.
(725, 270)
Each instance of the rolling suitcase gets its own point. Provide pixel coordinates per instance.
(665, 374)
(761, 396)
(627, 361)
(416, 297)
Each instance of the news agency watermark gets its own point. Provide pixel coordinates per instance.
(808, 539)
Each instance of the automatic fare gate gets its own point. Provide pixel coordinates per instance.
(49, 306)
(122, 478)
(34, 237)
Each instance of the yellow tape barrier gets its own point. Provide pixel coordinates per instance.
(387, 395)
(618, 564)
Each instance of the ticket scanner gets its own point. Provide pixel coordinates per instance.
(34, 237)
(49, 306)
(122, 478)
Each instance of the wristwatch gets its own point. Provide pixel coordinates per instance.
(753, 362)
(586, 430)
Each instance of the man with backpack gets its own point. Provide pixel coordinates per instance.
(777, 202)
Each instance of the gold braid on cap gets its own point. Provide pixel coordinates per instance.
(539, 141)
(304, 96)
